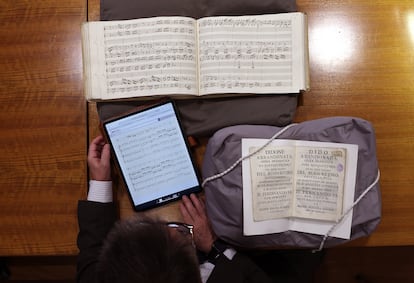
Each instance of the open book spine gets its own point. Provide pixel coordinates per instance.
(264, 54)
(322, 186)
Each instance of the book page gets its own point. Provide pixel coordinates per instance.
(252, 54)
(309, 225)
(319, 182)
(272, 182)
(143, 57)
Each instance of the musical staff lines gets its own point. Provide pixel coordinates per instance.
(155, 56)
(153, 155)
(244, 53)
(180, 56)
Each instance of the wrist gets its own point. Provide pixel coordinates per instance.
(101, 177)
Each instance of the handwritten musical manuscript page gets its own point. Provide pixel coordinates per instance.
(154, 56)
(183, 56)
(252, 54)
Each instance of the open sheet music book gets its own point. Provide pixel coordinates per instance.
(298, 185)
(183, 56)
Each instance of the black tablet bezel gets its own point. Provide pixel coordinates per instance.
(168, 197)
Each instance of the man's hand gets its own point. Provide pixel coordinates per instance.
(194, 213)
(99, 160)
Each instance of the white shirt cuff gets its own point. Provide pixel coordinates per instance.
(100, 191)
(205, 271)
(206, 268)
(230, 253)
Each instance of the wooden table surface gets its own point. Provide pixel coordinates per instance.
(43, 126)
(361, 63)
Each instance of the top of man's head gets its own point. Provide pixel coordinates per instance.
(139, 250)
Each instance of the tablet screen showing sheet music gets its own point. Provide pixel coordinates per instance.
(153, 156)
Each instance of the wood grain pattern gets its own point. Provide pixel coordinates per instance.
(43, 126)
(361, 61)
(94, 10)
(361, 64)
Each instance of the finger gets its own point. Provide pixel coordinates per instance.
(199, 206)
(106, 154)
(186, 216)
(95, 147)
(93, 152)
(190, 207)
(98, 140)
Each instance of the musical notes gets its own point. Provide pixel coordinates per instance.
(154, 56)
(153, 154)
(180, 56)
(246, 23)
(243, 54)
(150, 23)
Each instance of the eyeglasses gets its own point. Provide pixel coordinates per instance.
(183, 228)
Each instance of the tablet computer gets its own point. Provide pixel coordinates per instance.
(153, 155)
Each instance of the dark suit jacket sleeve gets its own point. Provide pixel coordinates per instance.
(239, 269)
(95, 220)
